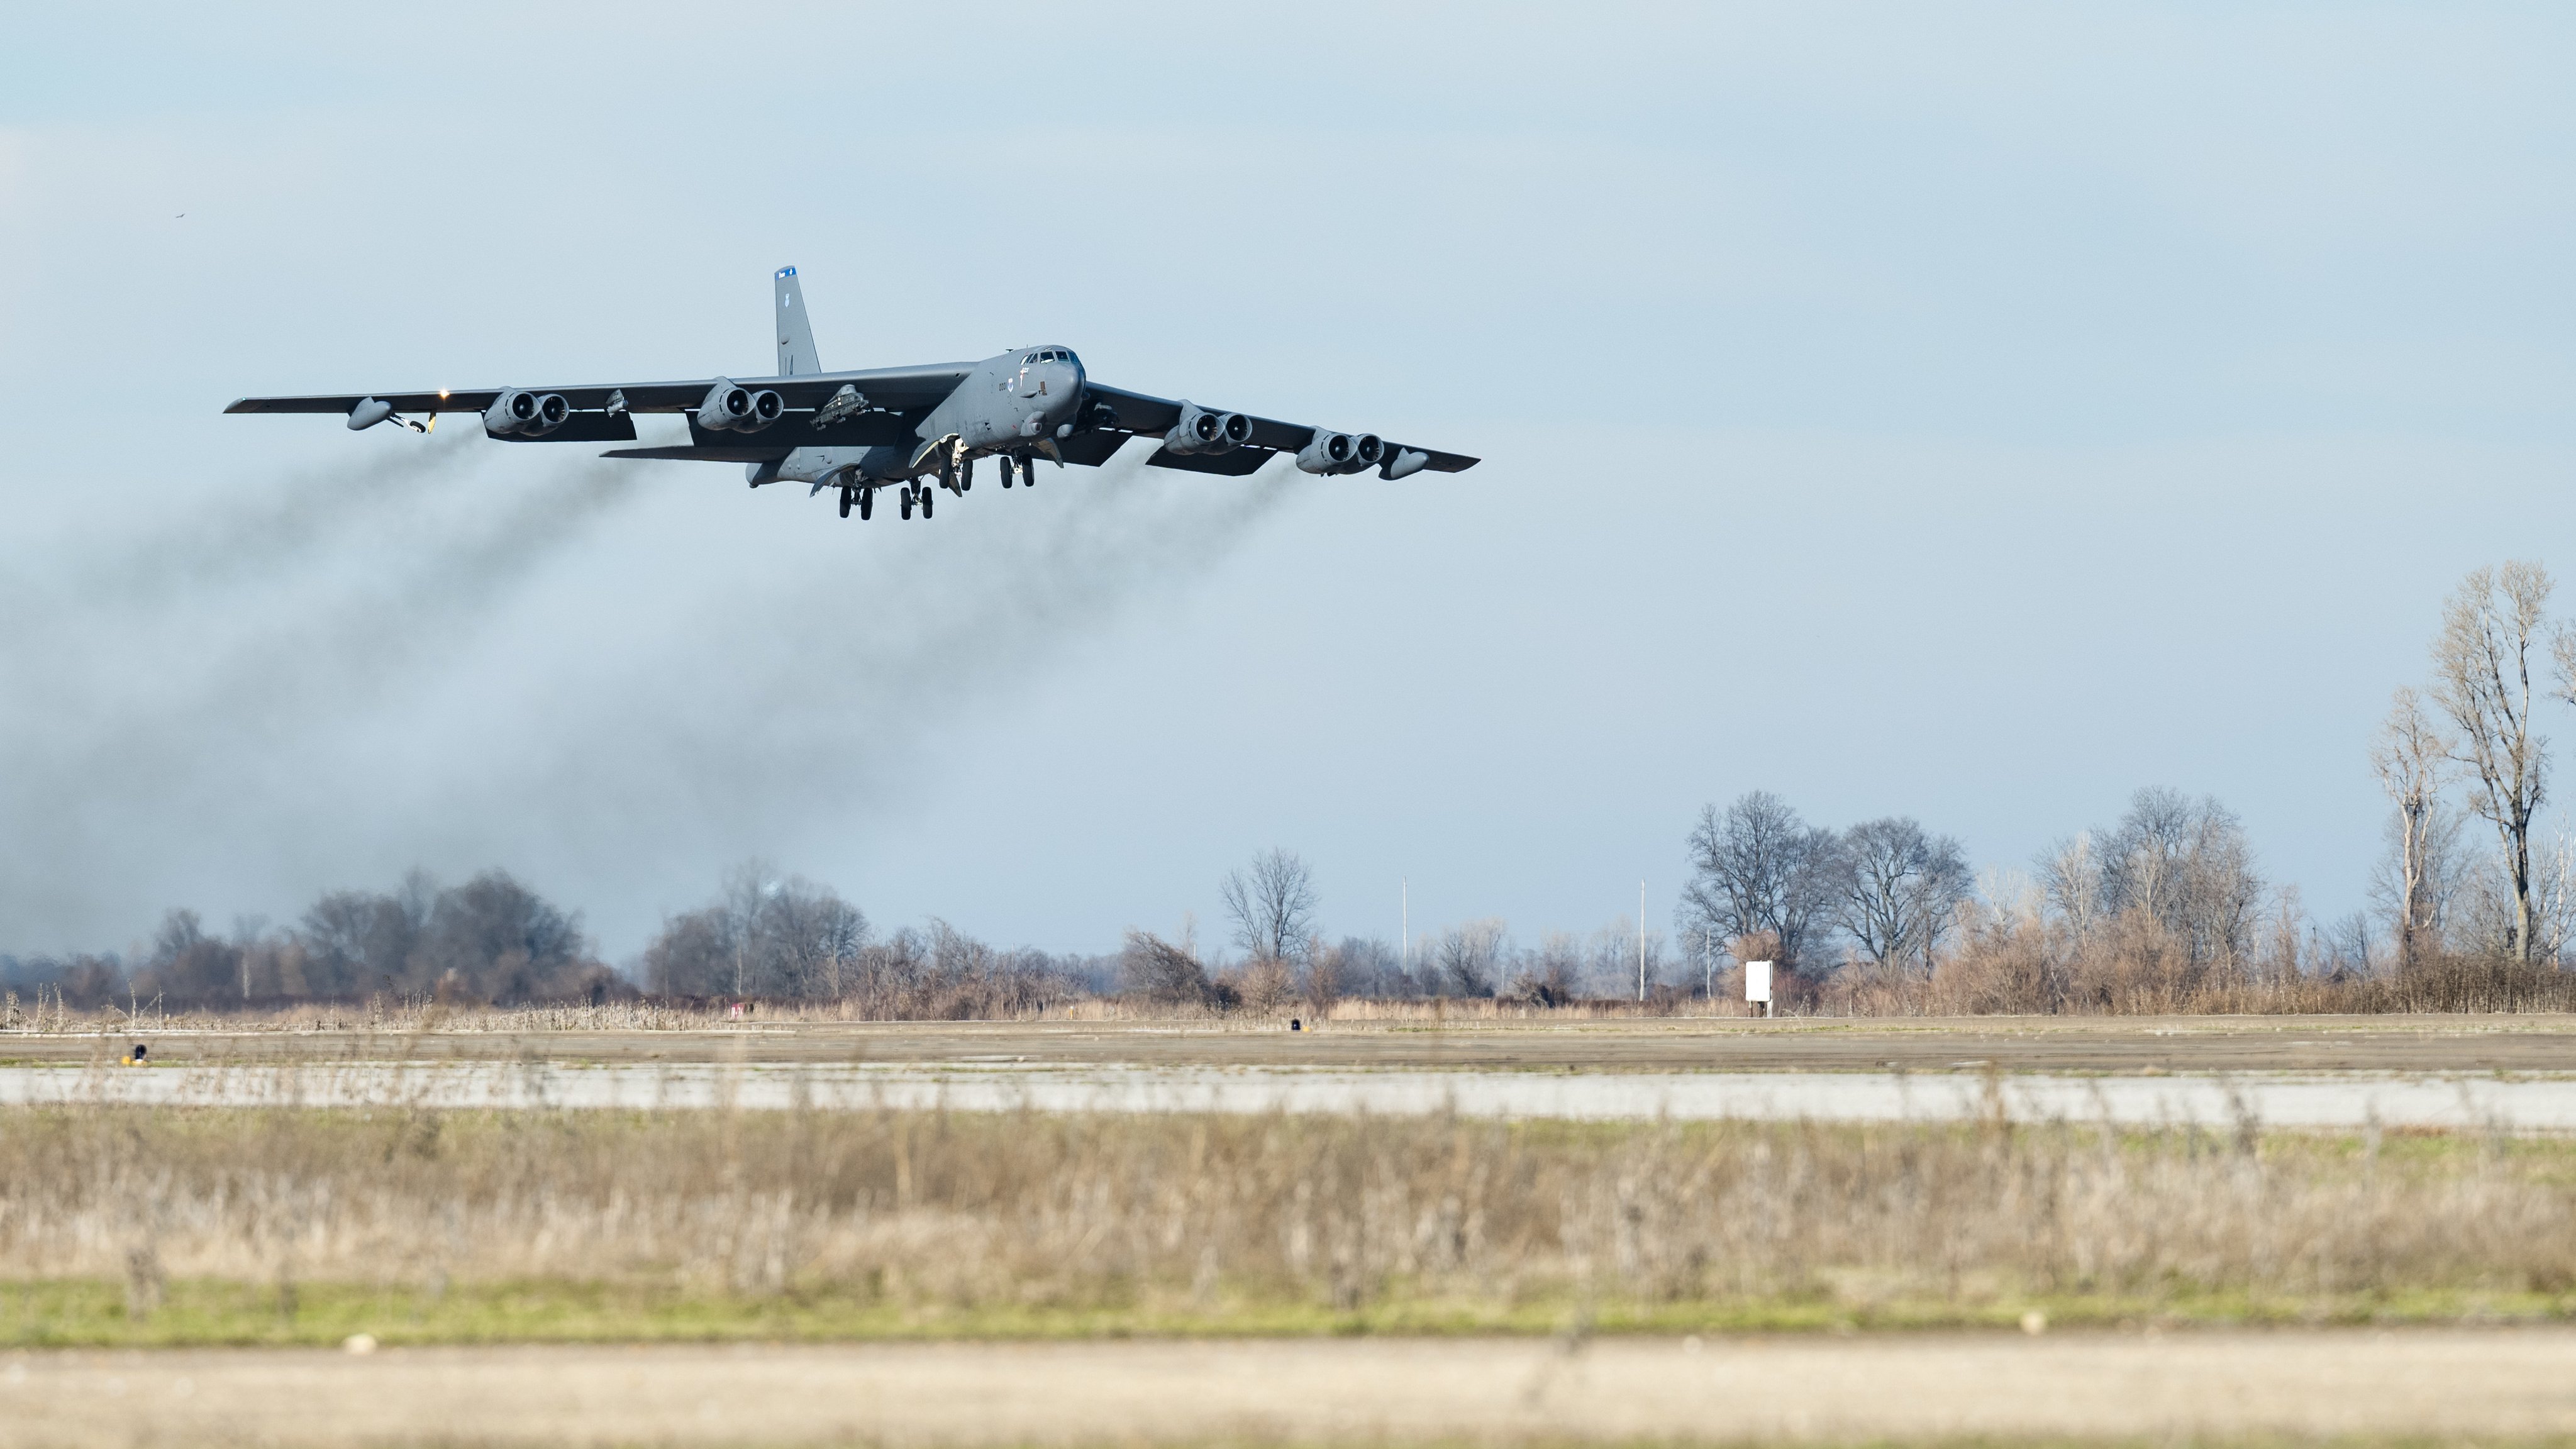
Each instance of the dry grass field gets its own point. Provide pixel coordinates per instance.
(186, 1273)
(231, 1225)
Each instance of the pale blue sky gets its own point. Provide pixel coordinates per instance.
(1975, 412)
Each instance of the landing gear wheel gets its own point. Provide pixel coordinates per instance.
(926, 496)
(907, 503)
(1004, 463)
(845, 502)
(867, 503)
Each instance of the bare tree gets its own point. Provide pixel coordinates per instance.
(2482, 681)
(360, 942)
(1759, 867)
(1321, 982)
(1551, 975)
(783, 939)
(1469, 959)
(2440, 876)
(2186, 863)
(2070, 876)
(2181, 862)
(1898, 889)
(2410, 757)
(1272, 906)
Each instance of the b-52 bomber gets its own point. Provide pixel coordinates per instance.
(918, 429)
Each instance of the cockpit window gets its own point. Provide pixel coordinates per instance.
(1025, 361)
(1047, 356)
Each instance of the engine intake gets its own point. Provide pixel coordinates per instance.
(731, 407)
(1326, 453)
(1201, 431)
(527, 414)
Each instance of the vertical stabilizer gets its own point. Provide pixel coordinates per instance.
(795, 335)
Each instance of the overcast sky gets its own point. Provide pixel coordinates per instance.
(1974, 412)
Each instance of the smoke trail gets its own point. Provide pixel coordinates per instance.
(257, 533)
(203, 709)
(815, 693)
(374, 684)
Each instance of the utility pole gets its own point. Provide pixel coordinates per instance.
(1708, 965)
(1404, 945)
(1641, 940)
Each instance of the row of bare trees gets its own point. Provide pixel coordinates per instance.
(1886, 890)
(2474, 731)
(780, 937)
(1271, 907)
(491, 939)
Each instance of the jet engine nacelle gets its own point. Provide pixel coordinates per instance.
(1339, 452)
(731, 407)
(1201, 431)
(1326, 452)
(526, 414)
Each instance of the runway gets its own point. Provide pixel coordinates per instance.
(2529, 1042)
(2455, 1101)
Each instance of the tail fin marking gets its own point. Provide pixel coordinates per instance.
(796, 356)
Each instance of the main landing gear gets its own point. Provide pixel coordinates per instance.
(1004, 463)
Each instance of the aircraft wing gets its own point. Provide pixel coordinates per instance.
(1150, 416)
(894, 388)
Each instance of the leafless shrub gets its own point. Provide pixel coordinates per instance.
(1262, 985)
(1170, 975)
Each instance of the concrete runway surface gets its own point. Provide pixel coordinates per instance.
(2447, 1384)
(2309, 1100)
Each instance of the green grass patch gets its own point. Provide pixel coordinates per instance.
(91, 1313)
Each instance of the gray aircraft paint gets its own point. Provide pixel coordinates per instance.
(928, 422)
(796, 355)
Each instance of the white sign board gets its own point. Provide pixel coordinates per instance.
(1757, 981)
